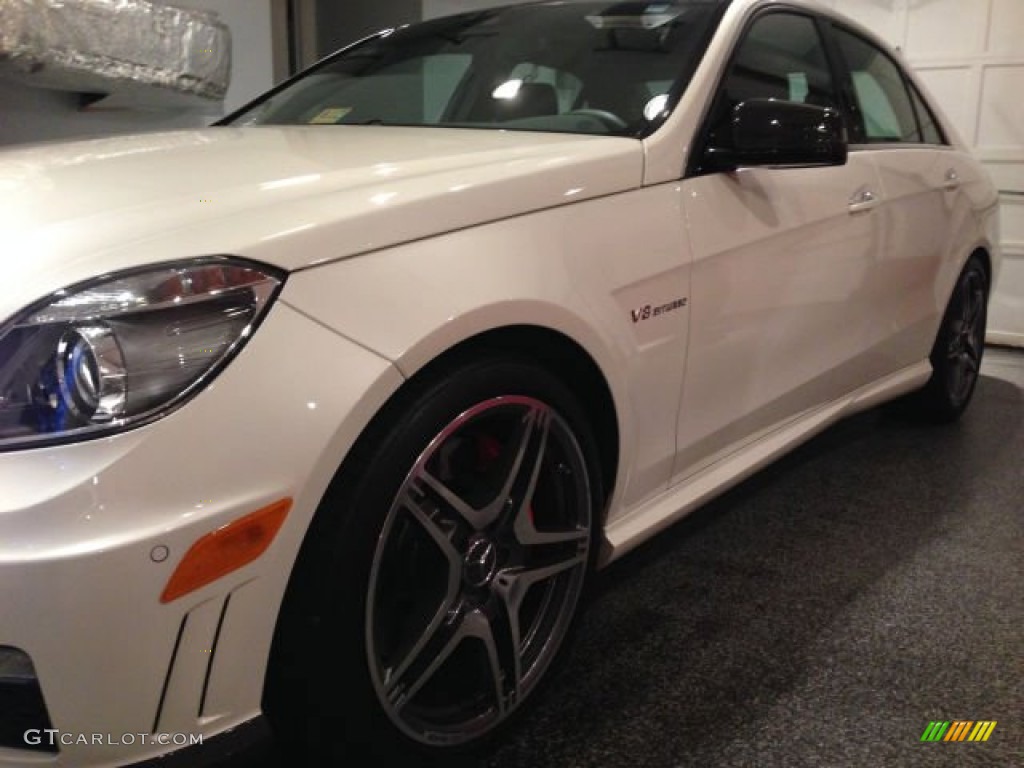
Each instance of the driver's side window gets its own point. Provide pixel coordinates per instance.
(781, 57)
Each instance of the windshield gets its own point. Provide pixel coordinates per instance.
(581, 67)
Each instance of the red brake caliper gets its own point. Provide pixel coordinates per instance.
(488, 450)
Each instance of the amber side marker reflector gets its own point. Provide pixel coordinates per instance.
(227, 549)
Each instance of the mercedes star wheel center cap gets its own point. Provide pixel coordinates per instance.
(481, 562)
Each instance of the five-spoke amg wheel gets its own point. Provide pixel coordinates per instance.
(478, 569)
(441, 577)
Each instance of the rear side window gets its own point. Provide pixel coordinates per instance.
(930, 129)
(886, 112)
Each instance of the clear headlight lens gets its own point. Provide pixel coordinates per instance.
(119, 352)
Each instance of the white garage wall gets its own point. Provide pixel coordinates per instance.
(36, 114)
(970, 55)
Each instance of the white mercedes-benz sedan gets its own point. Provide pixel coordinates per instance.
(314, 423)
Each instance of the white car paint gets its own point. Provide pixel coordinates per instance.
(403, 243)
(86, 208)
(78, 529)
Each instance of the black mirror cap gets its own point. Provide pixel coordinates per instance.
(781, 134)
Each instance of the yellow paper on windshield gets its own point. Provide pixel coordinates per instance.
(330, 116)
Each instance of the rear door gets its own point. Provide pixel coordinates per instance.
(920, 176)
(785, 273)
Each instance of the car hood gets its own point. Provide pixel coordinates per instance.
(292, 197)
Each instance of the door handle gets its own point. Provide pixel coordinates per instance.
(864, 200)
(952, 180)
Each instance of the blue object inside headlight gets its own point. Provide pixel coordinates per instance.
(113, 354)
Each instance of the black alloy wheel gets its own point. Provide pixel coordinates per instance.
(966, 338)
(959, 347)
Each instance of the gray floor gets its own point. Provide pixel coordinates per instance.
(820, 615)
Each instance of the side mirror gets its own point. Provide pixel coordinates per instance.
(780, 134)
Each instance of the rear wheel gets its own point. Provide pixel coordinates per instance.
(441, 577)
(959, 348)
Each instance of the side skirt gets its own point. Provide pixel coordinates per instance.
(649, 518)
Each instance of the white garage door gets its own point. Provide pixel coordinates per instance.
(970, 54)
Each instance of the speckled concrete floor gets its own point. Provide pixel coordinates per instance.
(819, 615)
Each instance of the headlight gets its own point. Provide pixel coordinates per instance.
(112, 354)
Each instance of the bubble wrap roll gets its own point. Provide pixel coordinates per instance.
(107, 46)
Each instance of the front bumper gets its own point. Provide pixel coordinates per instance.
(91, 532)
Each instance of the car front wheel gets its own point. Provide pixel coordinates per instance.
(441, 577)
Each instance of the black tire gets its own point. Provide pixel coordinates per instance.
(959, 347)
(434, 543)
